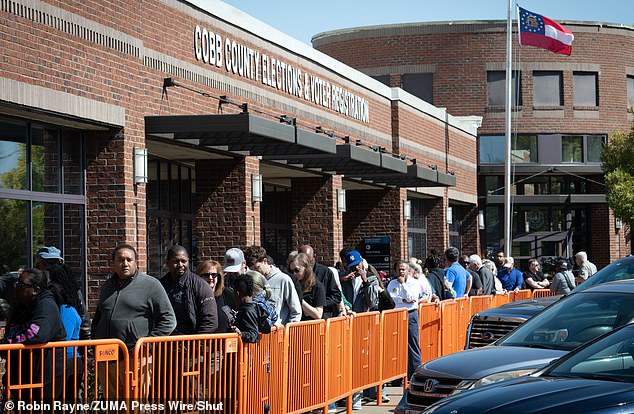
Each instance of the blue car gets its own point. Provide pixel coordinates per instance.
(597, 377)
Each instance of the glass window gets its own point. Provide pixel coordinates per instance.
(586, 92)
(47, 222)
(595, 147)
(491, 149)
(524, 148)
(152, 188)
(494, 185)
(13, 162)
(72, 161)
(384, 79)
(571, 148)
(45, 165)
(14, 243)
(417, 230)
(419, 85)
(630, 92)
(496, 88)
(547, 90)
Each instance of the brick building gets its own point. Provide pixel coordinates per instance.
(564, 110)
(170, 121)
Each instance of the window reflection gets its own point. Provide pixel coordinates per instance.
(13, 162)
(45, 165)
(572, 148)
(14, 241)
(46, 222)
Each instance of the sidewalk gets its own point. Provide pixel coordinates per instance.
(395, 394)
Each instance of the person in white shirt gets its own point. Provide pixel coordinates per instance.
(405, 292)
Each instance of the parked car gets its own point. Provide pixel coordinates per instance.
(597, 377)
(487, 326)
(551, 334)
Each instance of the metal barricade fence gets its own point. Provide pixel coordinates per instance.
(394, 342)
(480, 303)
(520, 295)
(449, 326)
(429, 316)
(366, 350)
(188, 372)
(264, 376)
(306, 366)
(60, 376)
(499, 300)
(338, 358)
(542, 293)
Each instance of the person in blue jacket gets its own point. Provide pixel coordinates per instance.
(511, 278)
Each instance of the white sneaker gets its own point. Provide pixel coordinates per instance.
(357, 407)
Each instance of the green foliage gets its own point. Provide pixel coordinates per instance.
(618, 165)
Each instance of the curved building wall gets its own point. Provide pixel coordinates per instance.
(460, 60)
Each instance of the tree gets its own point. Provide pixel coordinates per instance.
(618, 166)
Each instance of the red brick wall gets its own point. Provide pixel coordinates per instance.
(437, 230)
(315, 219)
(225, 215)
(373, 213)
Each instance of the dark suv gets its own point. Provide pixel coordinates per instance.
(488, 326)
(551, 334)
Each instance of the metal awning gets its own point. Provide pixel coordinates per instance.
(241, 133)
(247, 134)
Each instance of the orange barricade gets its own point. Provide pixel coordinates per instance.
(464, 316)
(480, 303)
(45, 377)
(306, 366)
(449, 326)
(338, 358)
(366, 350)
(188, 369)
(520, 295)
(394, 342)
(265, 375)
(541, 293)
(429, 315)
(499, 300)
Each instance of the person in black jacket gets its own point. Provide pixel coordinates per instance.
(436, 275)
(35, 319)
(251, 320)
(192, 299)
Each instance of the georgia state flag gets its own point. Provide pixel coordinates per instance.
(540, 31)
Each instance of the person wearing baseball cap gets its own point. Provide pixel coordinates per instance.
(357, 285)
(48, 256)
(234, 261)
(511, 278)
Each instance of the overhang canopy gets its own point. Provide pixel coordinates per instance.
(247, 134)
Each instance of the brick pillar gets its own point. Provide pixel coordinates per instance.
(373, 213)
(115, 209)
(470, 231)
(607, 243)
(314, 216)
(225, 215)
(437, 230)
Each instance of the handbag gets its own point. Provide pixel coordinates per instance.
(385, 300)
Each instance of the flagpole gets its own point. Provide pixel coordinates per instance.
(508, 107)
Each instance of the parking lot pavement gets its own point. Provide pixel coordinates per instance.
(394, 393)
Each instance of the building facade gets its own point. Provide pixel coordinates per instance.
(564, 109)
(168, 122)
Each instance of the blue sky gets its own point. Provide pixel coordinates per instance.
(302, 19)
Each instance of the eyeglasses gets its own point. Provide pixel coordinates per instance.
(21, 285)
(209, 276)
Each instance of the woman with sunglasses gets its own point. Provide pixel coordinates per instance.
(211, 271)
(314, 291)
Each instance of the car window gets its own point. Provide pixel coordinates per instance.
(573, 321)
(619, 270)
(611, 358)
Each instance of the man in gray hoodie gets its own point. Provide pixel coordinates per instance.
(283, 295)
